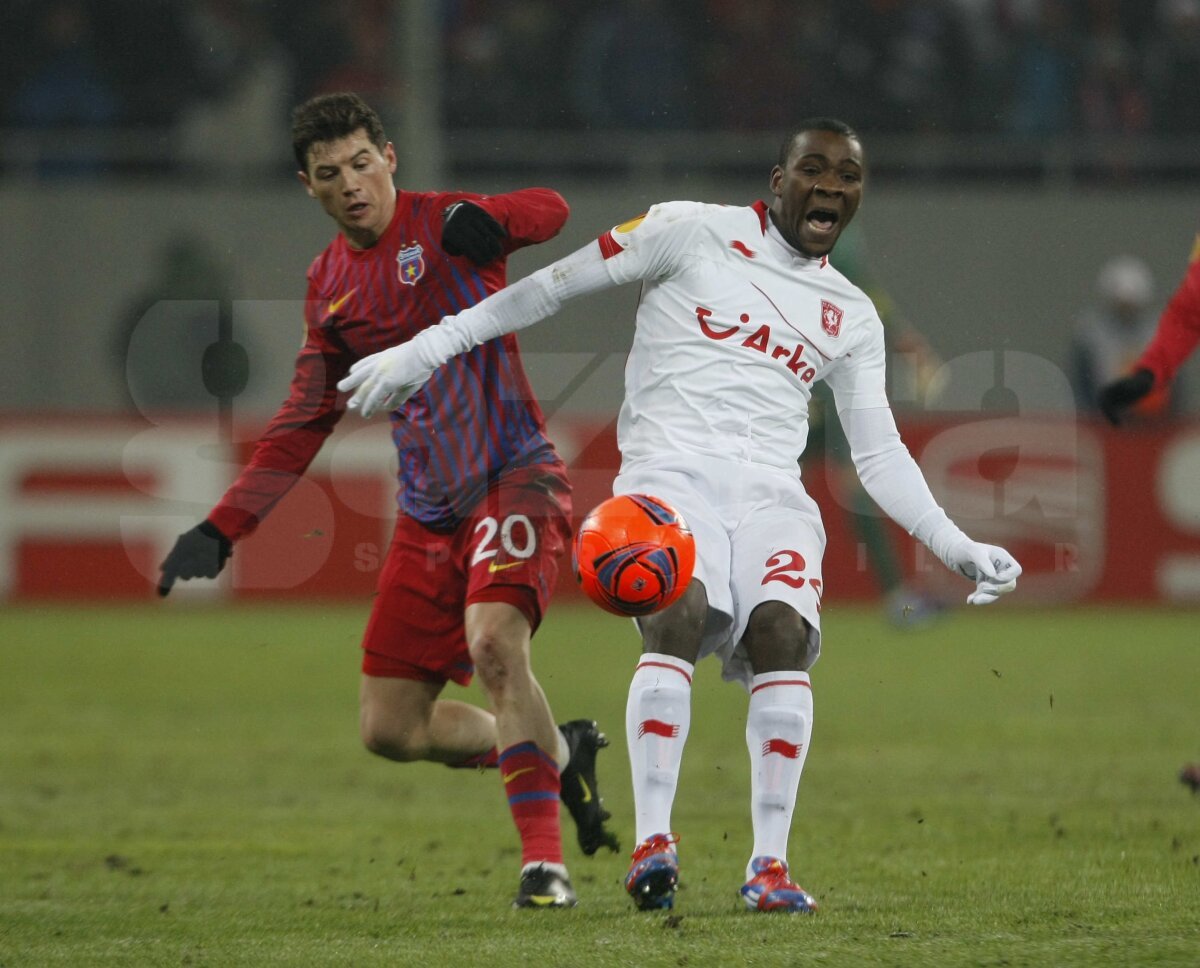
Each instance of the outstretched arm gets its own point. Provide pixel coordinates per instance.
(385, 380)
(893, 479)
(651, 246)
(281, 456)
(1178, 330)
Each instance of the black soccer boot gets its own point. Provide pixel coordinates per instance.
(579, 792)
(543, 888)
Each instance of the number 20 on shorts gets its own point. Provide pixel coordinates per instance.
(516, 534)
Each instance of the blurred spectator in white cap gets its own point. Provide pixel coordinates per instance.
(1111, 333)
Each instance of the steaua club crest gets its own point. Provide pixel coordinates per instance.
(831, 318)
(410, 264)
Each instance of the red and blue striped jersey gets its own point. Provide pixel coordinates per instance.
(477, 416)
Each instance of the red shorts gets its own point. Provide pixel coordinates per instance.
(507, 550)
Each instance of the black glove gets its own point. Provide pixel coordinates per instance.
(199, 553)
(1124, 393)
(468, 230)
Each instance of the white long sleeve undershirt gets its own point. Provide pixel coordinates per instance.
(515, 307)
(895, 482)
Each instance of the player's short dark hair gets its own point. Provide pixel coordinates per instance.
(814, 124)
(329, 117)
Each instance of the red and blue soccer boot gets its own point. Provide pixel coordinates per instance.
(654, 874)
(771, 890)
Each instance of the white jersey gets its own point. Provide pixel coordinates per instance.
(733, 329)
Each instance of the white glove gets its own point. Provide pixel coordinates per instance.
(993, 569)
(384, 380)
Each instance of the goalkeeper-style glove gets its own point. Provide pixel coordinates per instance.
(993, 569)
(1124, 393)
(199, 553)
(385, 380)
(468, 230)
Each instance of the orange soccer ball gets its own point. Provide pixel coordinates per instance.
(633, 554)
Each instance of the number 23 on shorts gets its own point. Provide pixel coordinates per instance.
(788, 567)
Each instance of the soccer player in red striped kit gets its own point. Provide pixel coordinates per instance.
(484, 502)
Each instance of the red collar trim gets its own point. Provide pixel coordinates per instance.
(761, 208)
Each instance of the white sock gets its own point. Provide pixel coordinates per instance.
(657, 717)
(563, 754)
(778, 729)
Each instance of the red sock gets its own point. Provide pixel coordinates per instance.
(531, 784)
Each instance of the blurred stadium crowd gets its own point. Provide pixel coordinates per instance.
(1025, 67)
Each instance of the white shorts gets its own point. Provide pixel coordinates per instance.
(759, 538)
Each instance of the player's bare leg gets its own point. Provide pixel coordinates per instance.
(778, 730)
(404, 720)
(777, 639)
(498, 637)
(676, 631)
(657, 718)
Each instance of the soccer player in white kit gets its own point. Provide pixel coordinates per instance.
(740, 314)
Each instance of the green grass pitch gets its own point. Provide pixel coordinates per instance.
(185, 786)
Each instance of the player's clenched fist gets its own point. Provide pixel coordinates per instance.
(993, 570)
(198, 553)
(1118, 396)
(468, 230)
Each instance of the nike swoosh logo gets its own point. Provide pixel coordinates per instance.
(338, 303)
(587, 791)
(493, 567)
(516, 773)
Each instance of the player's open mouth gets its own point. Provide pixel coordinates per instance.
(822, 219)
(357, 208)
